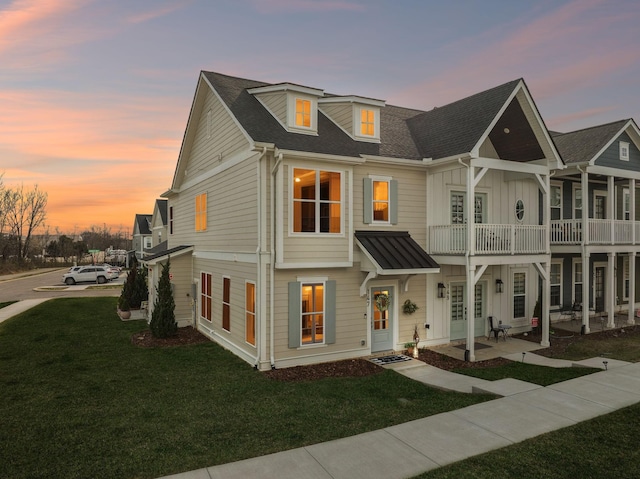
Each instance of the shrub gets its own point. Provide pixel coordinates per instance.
(135, 289)
(163, 320)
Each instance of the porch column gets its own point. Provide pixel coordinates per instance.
(585, 291)
(471, 211)
(611, 208)
(470, 354)
(632, 209)
(632, 288)
(585, 207)
(546, 299)
(611, 291)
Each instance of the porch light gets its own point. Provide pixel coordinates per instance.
(440, 290)
(499, 286)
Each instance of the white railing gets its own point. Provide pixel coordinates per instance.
(489, 239)
(566, 232)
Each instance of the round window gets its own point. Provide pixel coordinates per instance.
(519, 210)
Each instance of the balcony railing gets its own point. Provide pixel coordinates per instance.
(567, 232)
(489, 239)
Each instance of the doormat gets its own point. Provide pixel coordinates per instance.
(475, 345)
(394, 358)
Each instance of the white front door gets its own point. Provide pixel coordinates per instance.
(381, 318)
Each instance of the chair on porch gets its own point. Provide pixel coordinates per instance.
(495, 330)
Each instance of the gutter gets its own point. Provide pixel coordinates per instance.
(258, 257)
(272, 261)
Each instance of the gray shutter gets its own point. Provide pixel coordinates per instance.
(367, 201)
(393, 202)
(330, 312)
(295, 315)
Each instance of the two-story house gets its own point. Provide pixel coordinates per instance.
(300, 222)
(595, 227)
(159, 228)
(141, 235)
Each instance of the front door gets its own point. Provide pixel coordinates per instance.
(599, 288)
(458, 309)
(382, 319)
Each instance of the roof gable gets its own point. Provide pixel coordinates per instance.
(586, 145)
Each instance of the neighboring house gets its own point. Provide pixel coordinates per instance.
(301, 221)
(595, 237)
(159, 229)
(141, 235)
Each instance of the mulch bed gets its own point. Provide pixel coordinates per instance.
(560, 341)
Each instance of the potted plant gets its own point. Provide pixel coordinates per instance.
(409, 307)
(410, 347)
(124, 309)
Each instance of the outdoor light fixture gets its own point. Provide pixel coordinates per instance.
(440, 290)
(499, 286)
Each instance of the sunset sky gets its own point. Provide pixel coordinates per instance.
(95, 94)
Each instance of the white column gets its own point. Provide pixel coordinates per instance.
(632, 209)
(586, 278)
(611, 210)
(546, 299)
(585, 207)
(470, 310)
(611, 291)
(632, 287)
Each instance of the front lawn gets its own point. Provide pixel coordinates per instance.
(542, 375)
(78, 400)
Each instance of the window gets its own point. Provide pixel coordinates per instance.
(147, 242)
(316, 201)
(312, 313)
(201, 212)
(519, 295)
(381, 201)
(250, 313)
(519, 210)
(205, 296)
(170, 220)
(555, 283)
(458, 214)
(577, 283)
(626, 205)
(556, 202)
(625, 278)
(577, 203)
(367, 122)
(624, 151)
(303, 113)
(226, 303)
(457, 208)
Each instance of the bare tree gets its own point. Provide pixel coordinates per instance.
(26, 215)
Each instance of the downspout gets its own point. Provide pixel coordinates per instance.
(272, 260)
(466, 253)
(259, 259)
(469, 354)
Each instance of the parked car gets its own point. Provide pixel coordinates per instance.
(99, 274)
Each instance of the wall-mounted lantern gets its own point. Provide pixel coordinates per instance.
(441, 290)
(499, 286)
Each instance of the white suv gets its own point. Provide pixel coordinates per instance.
(93, 274)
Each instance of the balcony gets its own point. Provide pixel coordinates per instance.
(489, 239)
(568, 232)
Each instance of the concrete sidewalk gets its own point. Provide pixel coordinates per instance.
(526, 410)
(19, 307)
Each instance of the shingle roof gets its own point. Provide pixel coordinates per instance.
(583, 145)
(405, 133)
(395, 250)
(143, 222)
(162, 208)
(166, 253)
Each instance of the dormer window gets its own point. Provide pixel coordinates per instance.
(357, 116)
(367, 122)
(303, 113)
(624, 151)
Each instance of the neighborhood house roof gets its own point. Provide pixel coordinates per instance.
(583, 145)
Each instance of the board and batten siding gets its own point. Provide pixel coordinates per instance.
(301, 248)
(501, 197)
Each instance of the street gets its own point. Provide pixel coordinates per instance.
(18, 288)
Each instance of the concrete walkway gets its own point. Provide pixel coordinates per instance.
(525, 411)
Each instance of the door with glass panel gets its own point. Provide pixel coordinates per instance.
(381, 319)
(458, 310)
(599, 288)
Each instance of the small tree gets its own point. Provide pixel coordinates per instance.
(163, 320)
(135, 289)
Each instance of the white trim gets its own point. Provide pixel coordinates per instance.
(380, 179)
(352, 99)
(628, 124)
(291, 125)
(577, 186)
(556, 184)
(290, 265)
(515, 210)
(311, 281)
(227, 164)
(512, 274)
(357, 124)
(561, 263)
(286, 87)
(623, 147)
(236, 257)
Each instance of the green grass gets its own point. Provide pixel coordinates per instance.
(603, 447)
(78, 400)
(623, 347)
(542, 375)
(7, 303)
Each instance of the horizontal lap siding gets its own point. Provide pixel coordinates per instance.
(341, 115)
(180, 268)
(611, 156)
(351, 327)
(276, 103)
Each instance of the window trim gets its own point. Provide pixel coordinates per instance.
(204, 296)
(559, 284)
(626, 280)
(623, 149)
(317, 201)
(574, 283)
(250, 314)
(295, 312)
(170, 220)
(524, 294)
(226, 303)
(358, 123)
(369, 200)
(519, 201)
(626, 202)
(577, 187)
(559, 207)
(201, 212)
(292, 101)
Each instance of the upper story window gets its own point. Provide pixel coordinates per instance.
(303, 113)
(317, 203)
(519, 210)
(380, 200)
(556, 202)
(624, 151)
(201, 212)
(577, 203)
(626, 204)
(367, 122)
(170, 220)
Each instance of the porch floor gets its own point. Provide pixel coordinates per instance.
(489, 349)
(597, 323)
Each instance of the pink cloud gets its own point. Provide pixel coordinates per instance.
(270, 6)
(158, 12)
(558, 121)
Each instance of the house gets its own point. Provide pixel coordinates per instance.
(159, 229)
(300, 222)
(595, 228)
(141, 235)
